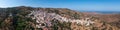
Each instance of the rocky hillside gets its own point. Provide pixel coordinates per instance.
(31, 18)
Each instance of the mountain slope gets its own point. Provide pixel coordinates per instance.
(31, 18)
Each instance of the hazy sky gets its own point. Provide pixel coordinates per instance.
(92, 5)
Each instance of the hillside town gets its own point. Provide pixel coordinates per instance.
(42, 17)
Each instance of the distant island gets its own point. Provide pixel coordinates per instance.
(103, 12)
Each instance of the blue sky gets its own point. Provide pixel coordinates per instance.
(89, 5)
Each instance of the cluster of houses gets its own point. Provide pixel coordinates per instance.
(43, 19)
